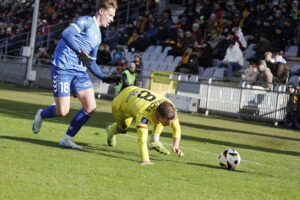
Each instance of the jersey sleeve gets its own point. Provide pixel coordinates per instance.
(80, 24)
(157, 129)
(93, 54)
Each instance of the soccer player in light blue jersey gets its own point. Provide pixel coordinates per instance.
(75, 52)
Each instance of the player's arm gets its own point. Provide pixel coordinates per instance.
(142, 131)
(176, 130)
(68, 37)
(157, 129)
(95, 69)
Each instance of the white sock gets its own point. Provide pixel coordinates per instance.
(155, 138)
(67, 137)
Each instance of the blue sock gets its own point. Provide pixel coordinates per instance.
(49, 112)
(77, 122)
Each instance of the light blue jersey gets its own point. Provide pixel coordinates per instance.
(88, 39)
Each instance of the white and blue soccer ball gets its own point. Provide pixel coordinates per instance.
(229, 159)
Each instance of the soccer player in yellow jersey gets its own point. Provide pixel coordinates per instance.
(147, 108)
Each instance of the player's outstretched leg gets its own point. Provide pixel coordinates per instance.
(38, 121)
(159, 147)
(69, 143)
(111, 137)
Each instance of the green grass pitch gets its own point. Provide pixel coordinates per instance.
(35, 167)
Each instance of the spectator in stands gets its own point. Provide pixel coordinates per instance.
(270, 61)
(131, 39)
(151, 34)
(220, 49)
(138, 63)
(103, 55)
(116, 56)
(196, 33)
(122, 65)
(280, 74)
(278, 57)
(251, 72)
(277, 40)
(189, 63)
(262, 46)
(140, 44)
(178, 48)
(233, 60)
(205, 56)
(127, 77)
(42, 57)
(162, 35)
(265, 77)
(111, 38)
(188, 40)
(238, 32)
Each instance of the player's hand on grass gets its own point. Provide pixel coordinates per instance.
(178, 151)
(83, 58)
(146, 163)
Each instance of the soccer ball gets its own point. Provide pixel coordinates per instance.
(230, 159)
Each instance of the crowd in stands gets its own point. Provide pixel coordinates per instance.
(218, 30)
(205, 32)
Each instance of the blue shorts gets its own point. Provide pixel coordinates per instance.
(66, 82)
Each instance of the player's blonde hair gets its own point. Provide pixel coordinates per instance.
(166, 110)
(105, 4)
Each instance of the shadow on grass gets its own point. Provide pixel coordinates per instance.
(205, 127)
(104, 151)
(235, 145)
(230, 171)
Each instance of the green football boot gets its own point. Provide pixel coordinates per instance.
(159, 147)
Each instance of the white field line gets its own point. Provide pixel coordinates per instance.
(187, 148)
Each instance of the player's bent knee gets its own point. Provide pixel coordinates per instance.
(61, 113)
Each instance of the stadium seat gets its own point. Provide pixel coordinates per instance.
(208, 72)
(157, 50)
(150, 49)
(146, 65)
(146, 56)
(177, 60)
(292, 51)
(193, 78)
(169, 59)
(165, 51)
(295, 68)
(218, 73)
(128, 56)
(170, 67)
(183, 77)
(105, 69)
(161, 58)
(294, 80)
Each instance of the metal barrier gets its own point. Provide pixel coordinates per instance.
(240, 102)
